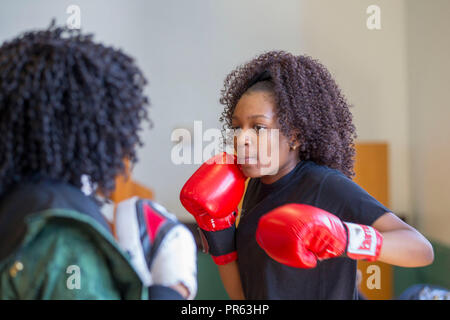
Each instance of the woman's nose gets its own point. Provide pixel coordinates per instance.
(245, 138)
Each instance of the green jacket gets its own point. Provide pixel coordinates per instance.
(55, 244)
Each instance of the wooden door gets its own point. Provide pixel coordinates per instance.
(372, 174)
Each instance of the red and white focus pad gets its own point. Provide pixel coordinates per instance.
(161, 249)
(364, 242)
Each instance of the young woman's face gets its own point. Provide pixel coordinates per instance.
(255, 121)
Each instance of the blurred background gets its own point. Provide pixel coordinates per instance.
(396, 77)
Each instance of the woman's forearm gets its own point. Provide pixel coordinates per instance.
(403, 245)
(229, 273)
(406, 248)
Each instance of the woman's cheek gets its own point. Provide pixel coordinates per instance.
(269, 151)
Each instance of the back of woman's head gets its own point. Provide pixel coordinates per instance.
(68, 107)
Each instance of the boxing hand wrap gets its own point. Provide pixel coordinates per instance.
(220, 243)
(363, 242)
(162, 250)
(212, 195)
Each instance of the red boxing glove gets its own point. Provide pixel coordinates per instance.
(298, 234)
(212, 195)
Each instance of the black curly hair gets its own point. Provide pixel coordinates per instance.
(68, 107)
(310, 106)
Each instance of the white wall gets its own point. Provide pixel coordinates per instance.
(370, 67)
(186, 48)
(195, 46)
(429, 86)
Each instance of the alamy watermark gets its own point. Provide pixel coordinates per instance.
(373, 280)
(250, 146)
(74, 19)
(74, 279)
(373, 21)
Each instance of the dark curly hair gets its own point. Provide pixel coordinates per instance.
(310, 106)
(68, 107)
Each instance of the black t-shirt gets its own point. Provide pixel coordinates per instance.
(312, 184)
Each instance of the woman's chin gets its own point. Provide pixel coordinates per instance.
(251, 170)
(257, 170)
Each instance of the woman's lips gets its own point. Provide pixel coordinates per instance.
(247, 160)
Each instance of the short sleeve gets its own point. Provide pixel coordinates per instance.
(346, 199)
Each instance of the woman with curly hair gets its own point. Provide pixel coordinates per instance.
(70, 113)
(296, 233)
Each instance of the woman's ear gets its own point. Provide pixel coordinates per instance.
(294, 142)
(294, 146)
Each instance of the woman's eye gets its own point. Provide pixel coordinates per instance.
(258, 128)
